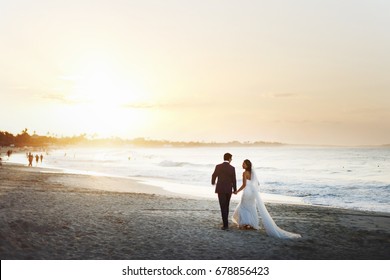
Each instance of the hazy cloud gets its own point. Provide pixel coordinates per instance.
(285, 95)
(367, 110)
(166, 105)
(70, 78)
(59, 98)
(281, 95)
(22, 88)
(139, 106)
(309, 122)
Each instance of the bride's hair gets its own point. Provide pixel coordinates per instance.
(248, 165)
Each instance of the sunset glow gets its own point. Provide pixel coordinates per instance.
(293, 72)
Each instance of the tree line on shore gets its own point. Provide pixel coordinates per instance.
(24, 139)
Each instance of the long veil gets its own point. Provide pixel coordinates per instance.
(269, 225)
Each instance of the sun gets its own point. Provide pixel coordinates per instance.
(103, 86)
(104, 97)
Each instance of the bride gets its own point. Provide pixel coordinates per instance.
(245, 215)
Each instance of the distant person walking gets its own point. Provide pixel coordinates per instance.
(41, 158)
(30, 159)
(36, 158)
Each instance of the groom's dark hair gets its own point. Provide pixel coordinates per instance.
(227, 156)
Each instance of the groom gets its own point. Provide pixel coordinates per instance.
(226, 184)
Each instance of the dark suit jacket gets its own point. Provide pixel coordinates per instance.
(226, 175)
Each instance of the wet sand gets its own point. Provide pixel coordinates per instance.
(65, 216)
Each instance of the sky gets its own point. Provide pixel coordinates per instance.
(299, 72)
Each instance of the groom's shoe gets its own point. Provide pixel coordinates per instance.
(225, 228)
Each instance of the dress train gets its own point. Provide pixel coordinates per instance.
(250, 206)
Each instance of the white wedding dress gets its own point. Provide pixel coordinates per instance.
(251, 204)
(246, 212)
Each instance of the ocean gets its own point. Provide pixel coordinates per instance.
(351, 178)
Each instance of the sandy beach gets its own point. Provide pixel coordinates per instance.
(65, 216)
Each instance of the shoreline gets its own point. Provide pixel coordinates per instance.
(59, 216)
(164, 187)
(291, 188)
(146, 186)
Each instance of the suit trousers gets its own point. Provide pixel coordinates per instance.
(224, 201)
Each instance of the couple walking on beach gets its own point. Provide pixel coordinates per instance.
(251, 206)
